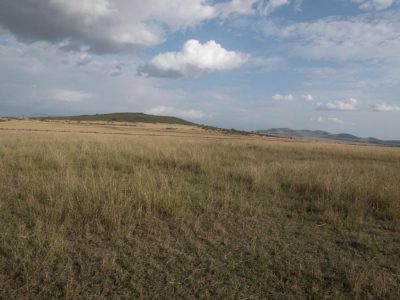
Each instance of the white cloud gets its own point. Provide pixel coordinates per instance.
(349, 104)
(177, 14)
(375, 4)
(279, 97)
(334, 120)
(193, 60)
(269, 6)
(308, 97)
(297, 5)
(250, 7)
(69, 95)
(167, 110)
(245, 7)
(383, 107)
(364, 37)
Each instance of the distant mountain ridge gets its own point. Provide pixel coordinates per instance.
(324, 135)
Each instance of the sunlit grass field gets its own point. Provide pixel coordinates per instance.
(86, 213)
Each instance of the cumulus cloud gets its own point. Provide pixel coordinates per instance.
(69, 95)
(349, 104)
(279, 97)
(193, 60)
(375, 4)
(383, 107)
(102, 26)
(97, 25)
(185, 113)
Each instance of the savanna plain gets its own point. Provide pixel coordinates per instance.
(108, 210)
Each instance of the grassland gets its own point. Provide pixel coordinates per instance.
(95, 210)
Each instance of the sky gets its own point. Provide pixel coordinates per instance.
(247, 64)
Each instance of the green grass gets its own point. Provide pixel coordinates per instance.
(85, 216)
(122, 117)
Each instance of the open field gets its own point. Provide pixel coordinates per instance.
(122, 128)
(115, 210)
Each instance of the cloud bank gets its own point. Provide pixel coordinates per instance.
(110, 26)
(101, 26)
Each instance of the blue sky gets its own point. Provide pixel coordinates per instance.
(247, 64)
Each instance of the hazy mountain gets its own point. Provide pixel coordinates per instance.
(324, 135)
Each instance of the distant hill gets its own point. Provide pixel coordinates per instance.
(120, 117)
(139, 118)
(323, 135)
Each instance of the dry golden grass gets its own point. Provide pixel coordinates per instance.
(103, 215)
(116, 128)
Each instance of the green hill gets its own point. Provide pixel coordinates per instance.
(122, 117)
